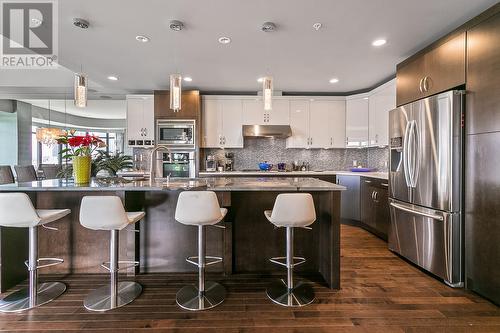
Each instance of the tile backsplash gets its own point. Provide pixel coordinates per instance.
(274, 150)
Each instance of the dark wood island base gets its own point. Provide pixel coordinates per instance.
(161, 244)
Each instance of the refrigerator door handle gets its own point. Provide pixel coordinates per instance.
(416, 212)
(405, 153)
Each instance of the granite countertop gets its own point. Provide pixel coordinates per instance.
(209, 183)
(378, 175)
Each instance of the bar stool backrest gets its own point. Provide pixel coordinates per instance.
(50, 171)
(198, 208)
(103, 213)
(16, 210)
(293, 210)
(6, 175)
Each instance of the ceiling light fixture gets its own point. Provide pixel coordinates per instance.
(142, 39)
(112, 78)
(379, 42)
(267, 92)
(268, 27)
(260, 79)
(188, 79)
(80, 90)
(334, 80)
(81, 23)
(175, 92)
(48, 135)
(224, 40)
(176, 25)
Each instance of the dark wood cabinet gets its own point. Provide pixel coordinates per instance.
(439, 69)
(375, 206)
(190, 102)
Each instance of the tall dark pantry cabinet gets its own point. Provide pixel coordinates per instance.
(482, 166)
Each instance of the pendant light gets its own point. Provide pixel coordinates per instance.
(267, 82)
(175, 92)
(48, 135)
(267, 93)
(176, 79)
(80, 90)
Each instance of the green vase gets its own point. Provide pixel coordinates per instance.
(81, 169)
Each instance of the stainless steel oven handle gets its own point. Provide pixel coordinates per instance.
(416, 212)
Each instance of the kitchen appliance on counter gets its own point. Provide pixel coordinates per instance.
(179, 164)
(229, 162)
(426, 208)
(210, 163)
(176, 133)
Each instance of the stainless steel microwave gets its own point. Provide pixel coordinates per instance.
(175, 133)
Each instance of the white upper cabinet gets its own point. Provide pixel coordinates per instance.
(317, 124)
(254, 114)
(382, 100)
(232, 123)
(357, 121)
(327, 124)
(140, 120)
(222, 121)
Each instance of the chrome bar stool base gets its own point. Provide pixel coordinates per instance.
(301, 295)
(102, 300)
(189, 297)
(20, 299)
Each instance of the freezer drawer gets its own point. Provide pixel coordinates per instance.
(429, 238)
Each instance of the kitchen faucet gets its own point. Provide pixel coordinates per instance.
(153, 159)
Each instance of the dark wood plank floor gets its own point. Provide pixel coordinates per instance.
(380, 294)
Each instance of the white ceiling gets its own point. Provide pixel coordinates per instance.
(100, 109)
(299, 58)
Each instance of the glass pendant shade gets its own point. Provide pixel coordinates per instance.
(48, 135)
(175, 92)
(267, 93)
(80, 90)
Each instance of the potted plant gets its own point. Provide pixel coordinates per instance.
(79, 149)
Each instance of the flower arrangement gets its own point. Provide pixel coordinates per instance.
(79, 150)
(79, 145)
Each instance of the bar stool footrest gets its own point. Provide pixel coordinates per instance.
(194, 260)
(129, 264)
(282, 261)
(51, 262)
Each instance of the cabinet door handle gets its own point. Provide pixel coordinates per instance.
(373, 194)
(425, 84)
(420, 85)
(368, 181)
(384, 184)
(145, 131)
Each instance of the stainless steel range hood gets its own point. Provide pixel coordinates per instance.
(267, 131)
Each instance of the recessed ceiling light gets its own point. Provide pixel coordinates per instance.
(81, 23)
(142, 39)
(334, 80)
(188, 79)
(379, 42)
(112, 78)
(224, 40)
(317, 26)
(260, 79)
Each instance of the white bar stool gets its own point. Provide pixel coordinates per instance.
(107, 213)
(17, 211)
(200, 208)
(291, 210)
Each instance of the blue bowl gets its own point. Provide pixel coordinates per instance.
(265, 166)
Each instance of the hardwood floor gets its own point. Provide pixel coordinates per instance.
(380, 294)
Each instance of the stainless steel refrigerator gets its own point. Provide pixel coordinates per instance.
(426, 149)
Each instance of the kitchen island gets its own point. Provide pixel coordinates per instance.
(161, 244)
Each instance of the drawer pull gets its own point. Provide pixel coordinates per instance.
(384, 184)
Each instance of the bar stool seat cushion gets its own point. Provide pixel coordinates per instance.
(51, 215)
(199, 208)
(106, 213)
(292, 210)
(16, 210)
(134, 217)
